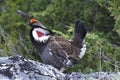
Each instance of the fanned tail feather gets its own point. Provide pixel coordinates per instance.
(80, 30)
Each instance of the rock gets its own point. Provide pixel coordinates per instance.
(19, 68)
(94, 76)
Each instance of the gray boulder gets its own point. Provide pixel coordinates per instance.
(19, 68)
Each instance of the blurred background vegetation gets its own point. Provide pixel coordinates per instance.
(102, 18)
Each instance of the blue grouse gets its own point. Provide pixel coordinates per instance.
(55, 50)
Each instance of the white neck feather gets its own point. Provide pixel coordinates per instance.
(42, 38)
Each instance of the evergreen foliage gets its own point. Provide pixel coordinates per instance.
(102, 18)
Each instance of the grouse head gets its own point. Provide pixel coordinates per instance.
(39, 32)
